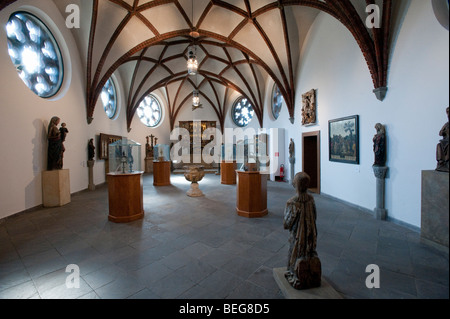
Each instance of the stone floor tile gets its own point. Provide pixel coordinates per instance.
(24, 290)
(121, 288)
(152, 273)
(200, 248)
(221, 282)
(171, 286)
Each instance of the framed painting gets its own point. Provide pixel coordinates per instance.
(343, 140)
(104, 141)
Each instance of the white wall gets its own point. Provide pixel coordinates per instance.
(413, 111)
(331, 62)
(24, 118)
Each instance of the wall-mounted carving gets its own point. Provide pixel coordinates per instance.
(309, 108)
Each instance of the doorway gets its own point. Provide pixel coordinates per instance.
(311, 159)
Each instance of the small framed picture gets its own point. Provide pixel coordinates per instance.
(343, 140)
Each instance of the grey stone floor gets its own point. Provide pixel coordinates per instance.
(188, 248)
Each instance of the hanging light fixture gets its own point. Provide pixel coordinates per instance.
(195, 99)
(192, 62)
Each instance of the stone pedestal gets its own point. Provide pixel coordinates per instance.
(56, 188)
(194, 174)
(149, 165)
(380, 174)
(194, 191)
(292, 169)
(90, 165)
(325, 291)
(435, 207)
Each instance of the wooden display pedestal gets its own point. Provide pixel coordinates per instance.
(228, 173)
(161, 173)
(126, 202)
(251, 194)
(56, 188)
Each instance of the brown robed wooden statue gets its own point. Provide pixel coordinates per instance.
(304, 270)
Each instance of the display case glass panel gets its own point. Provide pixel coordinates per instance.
(124, 156)
(252, 153)
(228, 153)
(161, 153)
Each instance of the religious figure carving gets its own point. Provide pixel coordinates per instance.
(91, 150)
(442, 148)
(63, 130)
(304, 269)
(379, 145)
(291, 149)
(149, 147)
(309, 108)
(55, 146)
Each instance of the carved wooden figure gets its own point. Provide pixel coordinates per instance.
(304, 269)
(379, 145)
(55, 146)
(309, 108)
(442, 148)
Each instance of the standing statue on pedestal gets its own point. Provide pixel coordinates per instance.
(442, 148)
(292, 159)
(304, 269)
(291, 149)
(149, 153)
(55, 146)
(379, 145)
(149, 147)
(380, 170)
(91, 163)
(91, 150)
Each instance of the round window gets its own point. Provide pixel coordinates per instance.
(149, 111)
(109, 98)
(277, 101)
(242, 112)
(35, 54)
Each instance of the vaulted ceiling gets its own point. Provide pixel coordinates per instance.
(240, 44)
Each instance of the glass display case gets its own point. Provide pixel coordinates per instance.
(244, 154)
(161, 152)
(251, 154)
(124, 156)
(228, 153)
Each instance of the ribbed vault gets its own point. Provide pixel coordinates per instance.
(241, 44)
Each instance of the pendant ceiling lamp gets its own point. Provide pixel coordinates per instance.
(192, 62)
(196, 99)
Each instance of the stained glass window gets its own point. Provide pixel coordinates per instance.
(109, 98)
(149, 111)
(277, 101)
(35, 54)
(242, 112)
